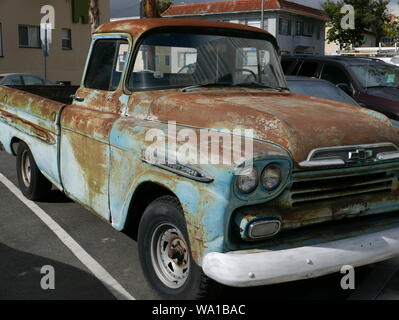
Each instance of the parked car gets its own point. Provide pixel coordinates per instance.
(318, 88)
(23, 79)
(318, 191)
(391, 60)
(371, 82)
(322, 89)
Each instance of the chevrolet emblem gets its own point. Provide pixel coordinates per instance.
(360, 154)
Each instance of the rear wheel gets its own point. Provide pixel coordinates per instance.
(165, 253)
(32, 183)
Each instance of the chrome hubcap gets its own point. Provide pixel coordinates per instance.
(26, 169)
(170, 255)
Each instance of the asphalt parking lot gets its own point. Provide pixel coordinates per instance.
(91, 260)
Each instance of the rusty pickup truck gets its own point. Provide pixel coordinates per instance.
(306, 185)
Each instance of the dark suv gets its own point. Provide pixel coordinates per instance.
(372, 83)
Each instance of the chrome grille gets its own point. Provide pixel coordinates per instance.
(327, 188)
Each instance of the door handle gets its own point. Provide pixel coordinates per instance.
(75, 97)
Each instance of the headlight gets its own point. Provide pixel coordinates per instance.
(247, 180)
(271, 177)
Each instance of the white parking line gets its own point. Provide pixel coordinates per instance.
(98, 271)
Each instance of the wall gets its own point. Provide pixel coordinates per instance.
(63, 65)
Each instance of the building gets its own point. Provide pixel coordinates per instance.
(20, 45)
(369, 40)
(298, 28)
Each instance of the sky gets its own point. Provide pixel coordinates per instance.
(130, 8)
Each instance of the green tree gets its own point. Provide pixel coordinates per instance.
(163, 5)
(392, 28)
(380, 19)
(370, 15)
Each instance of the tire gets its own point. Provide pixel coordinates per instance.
(163, 223)
(32, 183)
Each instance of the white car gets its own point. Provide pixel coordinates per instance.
(23, 79)
(391, 60)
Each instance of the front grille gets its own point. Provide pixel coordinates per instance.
(326, 188)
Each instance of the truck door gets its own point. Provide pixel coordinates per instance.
(86, 125)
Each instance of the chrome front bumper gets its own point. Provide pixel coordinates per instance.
(264, 267)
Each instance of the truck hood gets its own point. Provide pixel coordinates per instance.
(295, 122)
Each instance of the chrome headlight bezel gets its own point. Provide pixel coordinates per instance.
(267, 174)
(243, 177)
(261, 193)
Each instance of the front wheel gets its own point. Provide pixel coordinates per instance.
(32, 183)
(165, 253)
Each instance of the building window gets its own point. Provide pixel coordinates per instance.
(285, 27)
(29, 36)
(167, 61)
(1, 41)
(66, 39)
(265, 24)
(308, 29)
(299, 28)
(305, 29)
(186, 58)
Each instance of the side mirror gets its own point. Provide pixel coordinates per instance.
(346, 88)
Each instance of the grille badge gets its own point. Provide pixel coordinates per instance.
(351, 155)
(360, 154)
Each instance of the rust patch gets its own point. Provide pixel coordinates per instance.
(31, 128)
(297, 123)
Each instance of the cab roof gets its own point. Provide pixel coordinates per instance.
(136, 27)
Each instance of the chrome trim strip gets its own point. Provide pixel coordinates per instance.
(309, 163)
(156, 162)
(360, 146)
(204, 176)
(322, 163)
(387, 156)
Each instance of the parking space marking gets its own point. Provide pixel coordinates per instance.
(98, 271)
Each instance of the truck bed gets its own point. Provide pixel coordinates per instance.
(57, 93)
(28, 114)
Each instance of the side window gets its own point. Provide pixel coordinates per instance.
(296, 68)
(334, 74)
(286, 64)
(13, 81)
(308, 69)
(32, 81)
(107, 63)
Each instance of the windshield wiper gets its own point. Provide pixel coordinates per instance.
(260, 85)
(206, 84)
(227, 84)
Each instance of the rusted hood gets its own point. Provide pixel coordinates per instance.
(295, 122)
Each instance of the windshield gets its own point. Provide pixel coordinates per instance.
(320, 89)
(377, 75)
(1, 78)
(173, 60)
